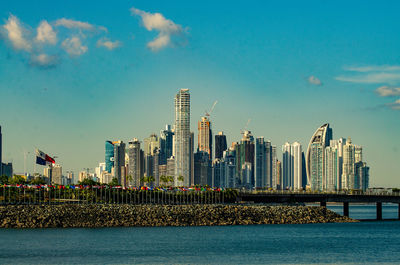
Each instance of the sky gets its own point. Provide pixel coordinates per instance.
(76, 73)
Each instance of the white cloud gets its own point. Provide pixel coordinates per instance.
(314, 80)
(395, 105)
(165, 27)
(106, 43)
(73, 46)
(74, 24)
(374, 74)
(386, 91)
(372, 78)
(15, 33)
(373, 68)
(45, 33)
(44, 60)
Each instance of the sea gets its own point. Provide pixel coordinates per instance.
(368, 242)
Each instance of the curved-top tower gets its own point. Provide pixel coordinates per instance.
(316, 156)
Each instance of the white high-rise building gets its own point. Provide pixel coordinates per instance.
(182, 139)
(292, 166)
(348, 165)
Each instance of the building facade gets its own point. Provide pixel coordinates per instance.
(205, 137)
(182, 139)
(220, 145)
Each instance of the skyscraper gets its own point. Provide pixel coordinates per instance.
(182, 139)
(348, 173)
(292, 166)
(119, 161)
(260, 161)
(109, 156)
(134, 164)
(245, 153)
(150, 144)
(205, 136)
(166, 144)
(315, 157)
(220, 144)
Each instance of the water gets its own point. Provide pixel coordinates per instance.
(367, 211)
(360, 243)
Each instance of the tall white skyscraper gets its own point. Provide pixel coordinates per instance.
(292, 166)
(315, 157)
(348, 165)
(182, 139)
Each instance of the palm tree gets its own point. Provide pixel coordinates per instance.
(181, 178)
(150, 179)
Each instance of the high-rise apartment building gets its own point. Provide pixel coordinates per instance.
(245, 153)
(119, 161)
(292, 166)
(166, 144)
(205, 136)
(220, 145)
(260, 163)
(109, 156)
(134, 163)
(315, 157)
(182, 139)
(202, 169)
(278, 175)
(151, 144)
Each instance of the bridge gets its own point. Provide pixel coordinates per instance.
(322, 199)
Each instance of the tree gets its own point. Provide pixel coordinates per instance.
(88, 181)
(150, 179)
(37, 181)
(17, 179)
(4, 180)
(114, 182)
(181, 178)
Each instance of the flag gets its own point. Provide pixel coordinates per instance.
(43, 159)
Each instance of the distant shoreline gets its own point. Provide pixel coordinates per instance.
(109, 215)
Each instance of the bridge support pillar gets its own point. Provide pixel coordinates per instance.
(378, 211)
(322, 204)
(399, 211)
(346, 209)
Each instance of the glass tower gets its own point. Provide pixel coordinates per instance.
(109, 159)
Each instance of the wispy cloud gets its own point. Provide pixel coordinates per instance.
(106, 43)
(314, 80)
(375, 74)
(395, 105)
(16, 34)
(46, 33)
(373, 68)
(44, 60)
(74, 24)
(372, 78)
(386, 91)
(73, 46)
(157, 22)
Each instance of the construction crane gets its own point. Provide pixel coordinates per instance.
(245, 127)
(208, 113)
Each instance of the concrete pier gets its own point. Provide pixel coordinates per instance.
(378, 211)
(346, 209)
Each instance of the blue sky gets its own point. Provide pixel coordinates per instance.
(99, 71)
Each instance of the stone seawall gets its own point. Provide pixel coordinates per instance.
(44, 216)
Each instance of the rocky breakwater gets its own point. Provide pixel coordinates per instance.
(43, 216)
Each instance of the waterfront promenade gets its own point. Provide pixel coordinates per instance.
(47, 194)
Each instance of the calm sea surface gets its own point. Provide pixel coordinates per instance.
(355, 243)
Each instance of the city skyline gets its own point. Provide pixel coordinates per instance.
(348, 79)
